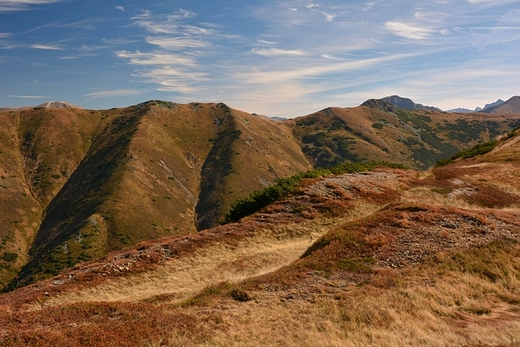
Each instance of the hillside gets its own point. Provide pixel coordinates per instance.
(81, 183)
(389, 257)
(378, 130)
(78, 184)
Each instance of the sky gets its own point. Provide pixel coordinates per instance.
(277, 58)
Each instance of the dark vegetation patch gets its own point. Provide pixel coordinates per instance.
(492, 197)
(428, 147)
(481, 148)
(287, 186)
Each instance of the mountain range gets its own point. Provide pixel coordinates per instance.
(374, 256)
(77, 184)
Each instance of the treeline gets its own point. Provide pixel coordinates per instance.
(287, 186)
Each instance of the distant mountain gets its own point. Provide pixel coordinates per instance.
(408, 104)
(463, 110)
(57, 104)
(493, 104)
(478, 109)
(511, 106)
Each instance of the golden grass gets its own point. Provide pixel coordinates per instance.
(451, 310)
(183, 277)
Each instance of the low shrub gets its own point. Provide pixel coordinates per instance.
(287, 186)
(9, 257)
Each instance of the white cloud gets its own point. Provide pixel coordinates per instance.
(47, 47)
(408, 31)
(312, 6)
(113, 93)
(121, 8)
(273, 52)
(173, 79)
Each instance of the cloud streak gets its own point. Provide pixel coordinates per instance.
(20, 5)
(47, 47)
(113, 93)
(28, 96)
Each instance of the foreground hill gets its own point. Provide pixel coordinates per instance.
(77, 184)
(382, 258)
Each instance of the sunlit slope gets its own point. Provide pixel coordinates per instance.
(139, 173)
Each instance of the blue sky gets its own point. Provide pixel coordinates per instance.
(279, 58)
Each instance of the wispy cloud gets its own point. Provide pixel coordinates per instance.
(47, 47)
(328, 17)
(174, 64)
(28, 96)
(139, 58)
(175, 43)
(318, 69)
(411, 32)
(113, 93)
(20, 5)
(274, 52)
(121, 8)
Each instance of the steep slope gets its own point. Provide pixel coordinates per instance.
(39, 151)
(511, 106)
(378, 130)
(382, 258)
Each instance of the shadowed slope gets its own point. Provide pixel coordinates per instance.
(80, 197)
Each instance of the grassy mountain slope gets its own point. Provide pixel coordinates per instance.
(101, 180)
(380, 131)
(383, 258)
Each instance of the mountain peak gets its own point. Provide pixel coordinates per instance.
(511, 106)
(407, 104)
(57, 104)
